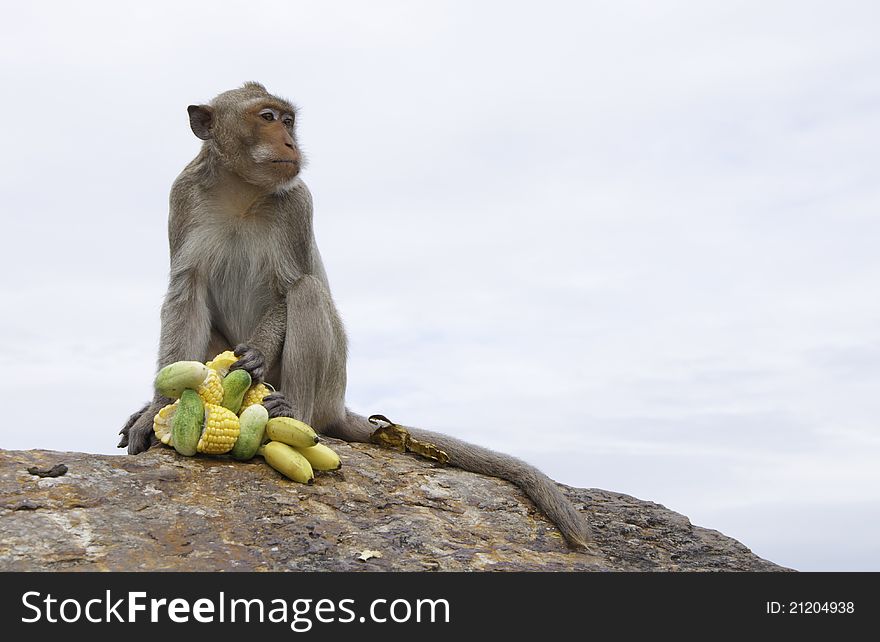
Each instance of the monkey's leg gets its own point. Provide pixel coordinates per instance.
(542, 490)
(186, 329)
(134, 430)
(123, 442)
(313, 357)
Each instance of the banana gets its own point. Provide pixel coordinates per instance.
(321, 457)
(287, 461)
(291, 432)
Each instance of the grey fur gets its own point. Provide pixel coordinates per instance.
(245, 269)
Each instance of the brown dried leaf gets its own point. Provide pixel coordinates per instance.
(427, 450)
(392, 436)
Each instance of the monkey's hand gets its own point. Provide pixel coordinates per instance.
(278, 405)
(251, 360)
(137, 434)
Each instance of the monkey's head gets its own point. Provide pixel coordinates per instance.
(252, 134)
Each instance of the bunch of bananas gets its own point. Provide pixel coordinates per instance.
(218, 411)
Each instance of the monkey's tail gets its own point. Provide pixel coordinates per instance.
(542, 490)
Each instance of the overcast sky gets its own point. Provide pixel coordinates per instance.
(634, 243)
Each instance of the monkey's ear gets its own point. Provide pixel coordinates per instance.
(201, 117)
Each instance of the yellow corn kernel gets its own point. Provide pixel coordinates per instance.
(220, 431)
(255, 394)
(162, 422)
(222, 362)
(211, 391)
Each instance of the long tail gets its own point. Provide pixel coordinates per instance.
(542, 490)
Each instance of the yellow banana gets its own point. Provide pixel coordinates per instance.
(321, 457)
(291, 432)
(287, 461)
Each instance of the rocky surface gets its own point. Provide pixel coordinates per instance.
(382, 511)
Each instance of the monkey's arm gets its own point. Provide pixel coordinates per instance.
(186, 320)
(260, 353)
(186, 330)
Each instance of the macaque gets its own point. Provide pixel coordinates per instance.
(246, 274)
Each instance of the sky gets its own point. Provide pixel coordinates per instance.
(633, 243)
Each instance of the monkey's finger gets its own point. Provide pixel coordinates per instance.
(141, 445)
(246, 362)
(256, 371)
(241, 349)
(133, 418)
(275, 397)
(134, 444)
(252, 358)
(277, 405)
(140, 435)
(280, 411)
(252, 362)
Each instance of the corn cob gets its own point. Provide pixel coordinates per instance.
(162, 422)
(222, 362)
(220, 431)
(211, 391)
(255, 394)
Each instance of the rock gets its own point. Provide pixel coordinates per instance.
(162, 512)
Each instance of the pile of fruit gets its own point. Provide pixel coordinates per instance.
(219, 411)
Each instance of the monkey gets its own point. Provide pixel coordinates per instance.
(246, 274)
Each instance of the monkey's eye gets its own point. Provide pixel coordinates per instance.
(288, 121)
(267, 114)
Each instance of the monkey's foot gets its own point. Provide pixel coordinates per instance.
(278, 406)
(137, 434)
(250, 360)
(126, 429)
